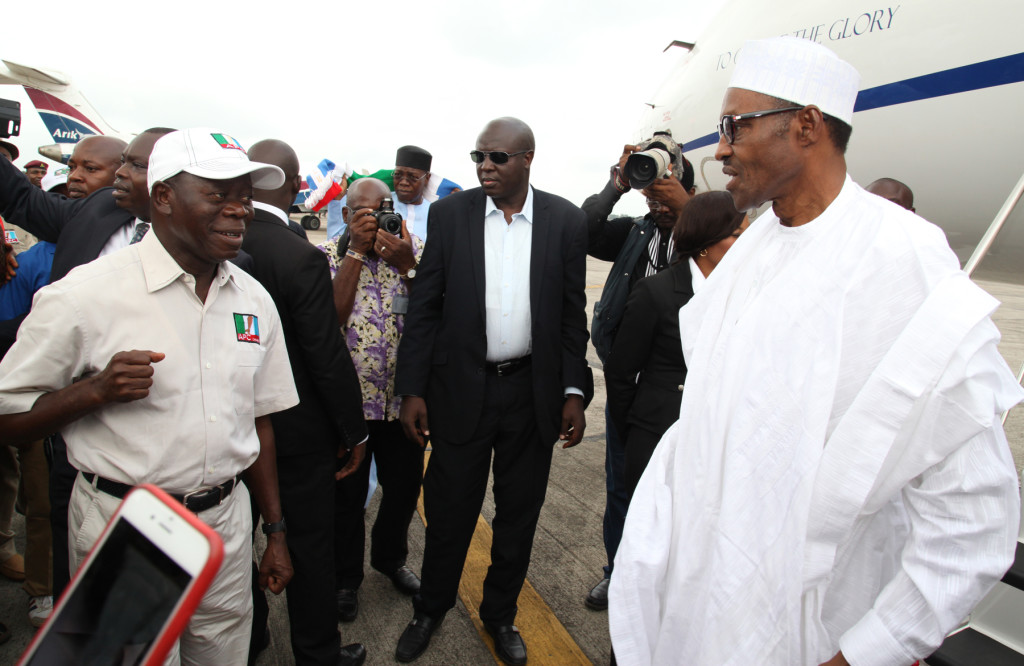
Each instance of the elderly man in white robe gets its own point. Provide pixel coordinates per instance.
(838, 488)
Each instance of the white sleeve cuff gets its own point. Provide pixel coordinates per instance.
(869, 643)
(572, 390)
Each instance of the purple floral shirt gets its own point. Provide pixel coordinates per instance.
(373, 330)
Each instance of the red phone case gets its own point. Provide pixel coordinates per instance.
(193, 593)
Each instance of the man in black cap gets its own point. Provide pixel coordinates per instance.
(411, 176)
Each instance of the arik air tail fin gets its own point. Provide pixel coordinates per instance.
(67, 114)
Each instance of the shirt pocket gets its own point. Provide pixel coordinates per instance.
(243, 378)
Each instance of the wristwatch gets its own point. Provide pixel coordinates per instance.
(279, 526)
(411, 273)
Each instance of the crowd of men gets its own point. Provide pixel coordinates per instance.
(798, 511)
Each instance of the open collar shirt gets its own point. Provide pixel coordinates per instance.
(225, 364)
(507, 251)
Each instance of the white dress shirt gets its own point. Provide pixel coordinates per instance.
(278, 213)
(507, 275)
(121, 238)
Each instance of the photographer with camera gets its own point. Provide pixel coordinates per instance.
(374, 264)
(639, 247)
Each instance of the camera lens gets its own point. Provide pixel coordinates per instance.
(644, 168)
(391, 223)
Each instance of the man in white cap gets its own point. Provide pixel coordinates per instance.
(838, 488)
(108, 356)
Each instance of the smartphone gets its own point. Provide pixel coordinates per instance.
(136, 590)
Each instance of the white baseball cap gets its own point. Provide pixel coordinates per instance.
(799, 71)
(55, 178)
(208, 153)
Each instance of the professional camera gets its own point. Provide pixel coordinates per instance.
(10, 118)
(653, 160)
(387, 218)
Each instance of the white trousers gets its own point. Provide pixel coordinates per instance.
(218, 632)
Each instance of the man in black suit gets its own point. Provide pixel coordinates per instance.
(83, 229)
(638, 247)
(494, 350)
(326, 425)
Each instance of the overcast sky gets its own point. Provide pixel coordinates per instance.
(353, 81)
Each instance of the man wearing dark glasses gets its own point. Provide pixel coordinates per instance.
(838, 488)
(494, 351)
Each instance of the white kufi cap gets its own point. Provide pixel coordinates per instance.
(208, 153)
(800, 71)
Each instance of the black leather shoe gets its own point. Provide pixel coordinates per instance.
(348, 605)
(508, 643)
(597, 598)
(353, 654)
(405, 581)
(416, 637)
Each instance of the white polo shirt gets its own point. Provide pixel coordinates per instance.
(225, 364)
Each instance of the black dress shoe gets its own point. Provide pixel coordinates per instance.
(405, 581)
(348, 605)
(508, 643)
(597, 598)
(353, 654)
(416, 637)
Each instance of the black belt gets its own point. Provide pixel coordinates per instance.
(508, 367)
(195, 501)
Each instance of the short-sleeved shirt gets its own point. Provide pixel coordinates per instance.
(225, 364)
(373, 330)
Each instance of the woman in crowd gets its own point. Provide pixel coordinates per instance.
(646, 373)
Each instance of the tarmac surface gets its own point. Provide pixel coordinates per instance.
(567, 556)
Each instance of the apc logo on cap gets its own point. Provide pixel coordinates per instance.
(226, 141)
(247, 328)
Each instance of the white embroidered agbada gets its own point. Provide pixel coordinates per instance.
(838, 477)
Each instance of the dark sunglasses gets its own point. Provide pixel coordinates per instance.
(497, 156)
(727, 126)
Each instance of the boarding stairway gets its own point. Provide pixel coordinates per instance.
(993, 635)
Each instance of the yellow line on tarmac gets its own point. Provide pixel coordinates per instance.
(547, 641)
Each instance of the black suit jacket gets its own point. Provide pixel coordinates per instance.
(297, 276)
(648, 343)
(79, 227)
(442, 353)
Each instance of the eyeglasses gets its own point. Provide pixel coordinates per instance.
(399, 176)
(497, 156)
(727, 126)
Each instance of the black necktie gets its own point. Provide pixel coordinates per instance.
(140, 230)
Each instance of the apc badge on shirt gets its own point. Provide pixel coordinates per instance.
(247, 327)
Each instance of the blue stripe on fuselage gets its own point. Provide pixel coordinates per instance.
(987, 74)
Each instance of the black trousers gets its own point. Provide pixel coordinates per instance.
(62, 481)
(453, 493)
(306, 485)
(399, 473)
(640, 445)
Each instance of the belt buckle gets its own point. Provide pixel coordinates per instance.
(203, 494)
(504, 367)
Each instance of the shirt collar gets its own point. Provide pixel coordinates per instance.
(160, 268)
(281, 215)
(526, 213)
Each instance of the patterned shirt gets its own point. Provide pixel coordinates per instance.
(373, 330)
